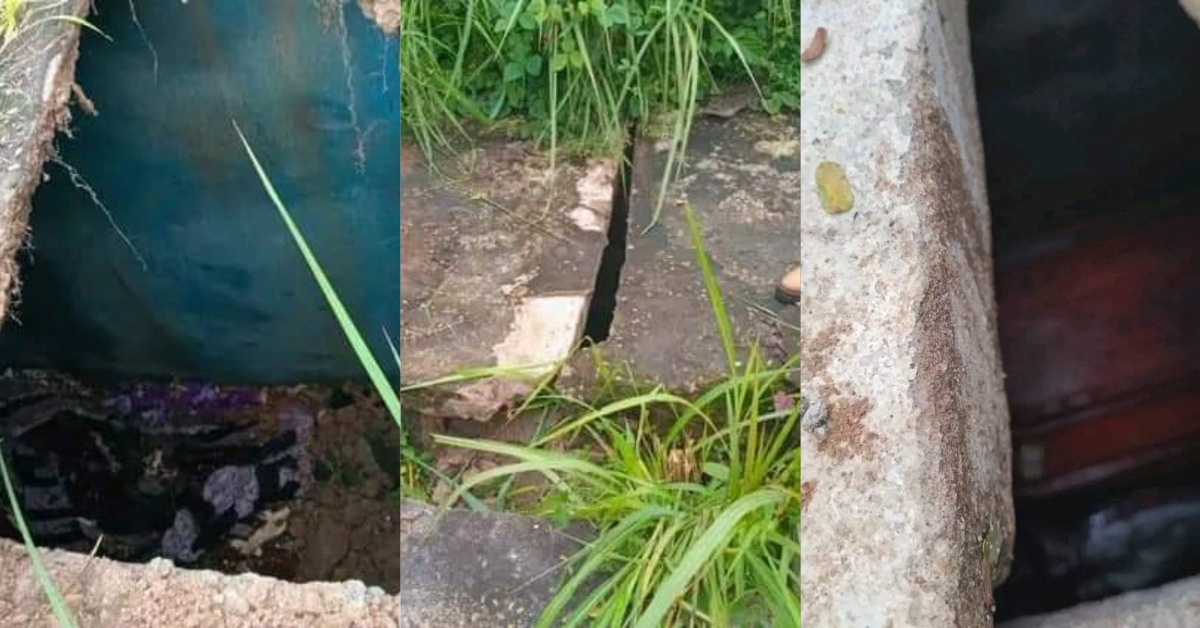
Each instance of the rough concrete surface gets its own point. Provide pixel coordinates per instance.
(1192, 7)
(106, 594)
(909, 517)
(498, 262)
(1176, 605)
(740, 179)
(466, 569)
(37, 70)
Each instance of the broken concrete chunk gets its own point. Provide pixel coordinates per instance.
(482, 400)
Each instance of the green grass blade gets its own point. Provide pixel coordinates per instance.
(378, 379)
(57, 604)
(709, 543)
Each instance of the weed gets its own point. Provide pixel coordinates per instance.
(696, 522)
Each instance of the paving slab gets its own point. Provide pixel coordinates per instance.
(740, 179)
(1176, 605)
(461, 568)
(499, 257)
(908, 518)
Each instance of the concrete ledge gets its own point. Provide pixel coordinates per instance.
(1176, 605)
(106, 594)
(37, 71)
(908, 510)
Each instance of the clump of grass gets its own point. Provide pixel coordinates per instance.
(697, 519)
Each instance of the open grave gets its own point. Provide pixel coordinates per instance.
(1034, 347)
(1085, 114)
(178, 397)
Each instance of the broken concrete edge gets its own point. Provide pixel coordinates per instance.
(1175, 605)
(102, 593)
(385, 13)
(531, 322)
(909, 492)
(46, 82)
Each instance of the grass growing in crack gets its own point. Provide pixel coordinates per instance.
(697, 523)
(576, 75)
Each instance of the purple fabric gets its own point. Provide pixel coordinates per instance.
(155, 402)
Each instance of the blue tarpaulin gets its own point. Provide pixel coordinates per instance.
(209, 284)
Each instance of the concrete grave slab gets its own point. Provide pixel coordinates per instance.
(740, 178)
(469, 569)
(908, 515)
(498, 261)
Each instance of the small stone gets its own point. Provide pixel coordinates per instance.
(834, 188)
(814, 415)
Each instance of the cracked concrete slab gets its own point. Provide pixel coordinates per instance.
(499, 258)
(740, 180)
(909, 519)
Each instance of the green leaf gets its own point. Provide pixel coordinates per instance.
(558, 62)
(534, 64)
(514, 71)
(617, 14)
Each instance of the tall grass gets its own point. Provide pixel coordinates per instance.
(576, 76)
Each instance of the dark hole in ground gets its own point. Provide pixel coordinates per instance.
(1089, 116)
(603, 305)
(298, 483)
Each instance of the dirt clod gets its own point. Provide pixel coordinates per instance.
(847, 436)
(816, 47)
(807, 490)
